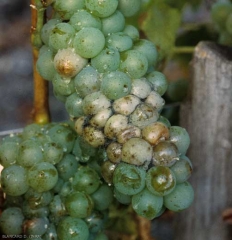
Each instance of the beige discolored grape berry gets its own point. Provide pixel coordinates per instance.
(126, 105)
(79, 124)
(99, 120)
(93, 136)
(67, 63)
(128, 133)
(155, 132)
(94, 103)
(141, 88)
(144, 115)
(115, 125)
(136, 151)
(165, 154)
(114, 152)
(155, 100)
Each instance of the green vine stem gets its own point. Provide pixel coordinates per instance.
(183, 50)
(41, 114)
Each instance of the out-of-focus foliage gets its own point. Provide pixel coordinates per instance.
(160, 23)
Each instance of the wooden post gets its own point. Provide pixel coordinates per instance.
(207, 116)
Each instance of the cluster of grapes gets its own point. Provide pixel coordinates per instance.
(105, 75)
(53, 186)
(123, 147)
(221, 13)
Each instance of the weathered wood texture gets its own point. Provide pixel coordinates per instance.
(207, 116)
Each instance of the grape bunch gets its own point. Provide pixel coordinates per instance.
(105, 74)
(221, 14)
(122, 149)
(53, 185)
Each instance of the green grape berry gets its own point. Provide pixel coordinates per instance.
(147, 204)
(158, 81)
(7, 156)
(182, 169)
(181, 198)
(134, 63)
(78, 204)
(108, 60)
(129, 7)
(45, 65)
(148, 49)
(101, 8)
(72, 228)
(113, 23)
(89, 42)
(129, 179)
(67, 166)
(47, 29)
(14, 180)
(86, 180)
(116, 85)
(65, 9)
(103, 197)
(61, 36)
(42, 177)
(120, 41)
(11, 221)
(180, 137)
(132, 32)
(83, 18)
(87, 81)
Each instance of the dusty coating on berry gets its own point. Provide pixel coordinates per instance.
(136, 151)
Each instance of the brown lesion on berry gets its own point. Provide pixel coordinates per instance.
(65, 68)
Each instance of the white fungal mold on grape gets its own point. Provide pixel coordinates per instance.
(128, 133)
(99, 120)
(141, 88)
(136, 151)
(143, 115)
(93, 136)
(155, 100)
(67, 63)
(114, 125)
(126, 105)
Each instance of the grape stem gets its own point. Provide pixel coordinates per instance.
(184, 49)
(144, 228)
(41, 114)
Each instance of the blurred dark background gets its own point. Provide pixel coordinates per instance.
(16, 80)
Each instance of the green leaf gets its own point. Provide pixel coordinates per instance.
(160, 23)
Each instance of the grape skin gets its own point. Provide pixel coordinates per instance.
(181, 198)
(11, 221)
(14, 180)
